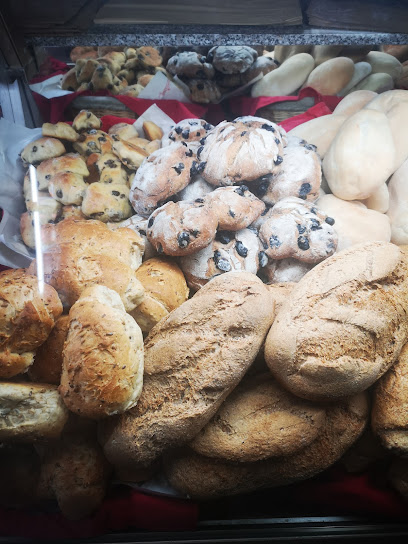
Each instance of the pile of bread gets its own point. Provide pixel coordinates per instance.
(335, 70)
(246, 383)
(124, 71)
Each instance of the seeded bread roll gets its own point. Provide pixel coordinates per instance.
(343, 325)
(204, 478)
(30, 412)
(27, 317)
(78, 254)
(165, 290)
(47, 364)
(75, 473)
(389, 413)
(183, 388)
(102, 370)
(258, 420)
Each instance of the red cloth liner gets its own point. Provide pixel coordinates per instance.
(124, 510)
(53, 109)
(49, 68)
(365, 493)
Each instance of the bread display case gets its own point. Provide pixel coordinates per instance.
(204, 271)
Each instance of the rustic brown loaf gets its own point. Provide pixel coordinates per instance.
(194, 357)
(204, 478)
(259, 419)
(102, 371)
(75, 473)
(30, 412)
(27, 317)
(165, 289)
(47, 364)
(389, 418)
(344, 323)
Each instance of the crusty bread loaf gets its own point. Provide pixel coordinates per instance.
(205, 478)
(27, 316)
(259, 419)
(75, 473)
(30, 412)
(78, 254)
(344, 323)
(194, 357)
(47, 366)
(102, 371)
(165, 289)
(389, 418)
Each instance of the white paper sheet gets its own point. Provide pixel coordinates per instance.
(50, 88)
(157, 116)
(161, 88)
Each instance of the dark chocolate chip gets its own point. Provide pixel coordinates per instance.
(102, 139)
(183, 239)
(268, 127)
(277, 141)
(197, 168)
(303, 243)
(330, 220)
(232, 213)
(199, 200)
(35, 149)
(311, 147)
(150, 222)
(59, 193)
(224, 236)
(241, 249)
(179, 168)
(185, 134)
(110, 163)
(122, 196)
(241, 190)
(198, 133)
(315, 224)
(221, 263)
(314, 210)
(274, 241)
(189, 153)
(200, 86)
(278, 160)
(207, 126)
(178, 130)
(142, 232)
(110, 86)
(115, 193)
(202, 141)
(199, 151)
(184, 143)
(263, 259)
(301, 229)
(243, 132)
(304, 190)
(195, 233)
(172, 138)
(48, 176)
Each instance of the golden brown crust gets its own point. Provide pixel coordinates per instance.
(86, 120)
(47, 366)
(224, 323)
(41, 150)
(63, 131)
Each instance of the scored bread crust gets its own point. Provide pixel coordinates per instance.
(194, 357)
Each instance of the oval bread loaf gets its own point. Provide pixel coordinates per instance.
(384, 63)
(204, 478)
(361, 71)
(354, 102)
(320, 131)
(194, 357)
(331, 76)
(343, 325)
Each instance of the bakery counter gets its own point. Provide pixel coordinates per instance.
(208, 35)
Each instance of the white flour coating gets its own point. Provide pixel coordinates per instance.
(300, 166)
(286, 270)
(239, 151)
(235, 210)
(198, 188)
(232, 59)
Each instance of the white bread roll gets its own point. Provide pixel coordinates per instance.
(354, 102)
(379, 200)
(354, 223)
(384, 63)
(320, 131)
(361, 70)
(398, 208)
(343, 325)
(361, 157)
(331, 76)
(286, 79)
(102, 369)
(378, 83)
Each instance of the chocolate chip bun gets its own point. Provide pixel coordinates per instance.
(163, 174)
(106, 202)
(67, 188)
(232, 59)
(297, 229)
(93, 141)
(41, 150)
(235, 207)
(343, 325)
(86, 120)
(242, 150)
(300, 176)
(260, 419)
(111, 170)
(182, 228)
(239, 251)
(190, 64)
(188, 130)
(71, 162)
(131, 155)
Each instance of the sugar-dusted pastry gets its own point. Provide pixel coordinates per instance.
(298, 229)
(182, 228)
